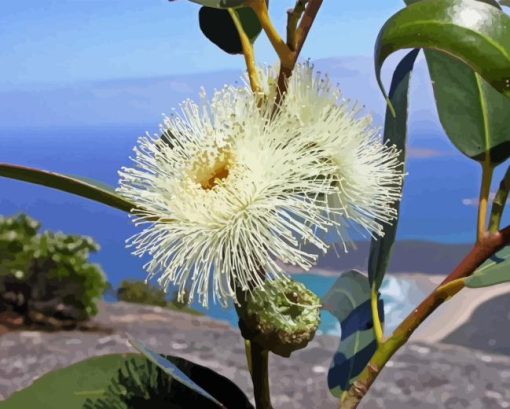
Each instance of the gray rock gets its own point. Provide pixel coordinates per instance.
(487, 329)
(420, 376)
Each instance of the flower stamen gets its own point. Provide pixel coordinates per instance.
(209, 171)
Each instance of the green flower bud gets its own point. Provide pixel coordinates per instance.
(281, 316)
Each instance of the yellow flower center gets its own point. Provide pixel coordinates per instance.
(209, 171)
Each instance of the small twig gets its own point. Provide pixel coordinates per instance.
(487, 171)
(249, 57)
(485, 248)
(310, 12)
(281, 48)
(306, 23)
(498, 205)
(293, 16)
(448, 290)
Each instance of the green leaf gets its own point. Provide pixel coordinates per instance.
(218, 26)
(505, 2)
(171, 369)
(491, 2)
(125, 381)
(77, 186)
(395, 133)
(474, 32)
(496, 270)
(349, 301)
(220, 4)
(140, 383)
(474, 115)
(69, 387)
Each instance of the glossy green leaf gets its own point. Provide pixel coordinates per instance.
(217, 25)
(80, 187)
(491, 2)
(220, 4)
(496, 270)
(349, 301)
(395, 133)
(171, 369)
(474, 32)
(474, 115)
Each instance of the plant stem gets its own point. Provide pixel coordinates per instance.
(487, 170)
(249, 57)
(260, 377)
(310, 12)
(481, 251)
(247, 350)
(306, 23)
(378, 330)
(257, 358)
(293, 16)
(498, 205)
(283, 51)
(451, 288)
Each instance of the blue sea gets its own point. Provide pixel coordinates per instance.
(440, 189)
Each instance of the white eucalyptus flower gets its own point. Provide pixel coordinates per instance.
(226, 198)
(369, 173)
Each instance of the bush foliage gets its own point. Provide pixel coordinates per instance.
(140, 292)
(46, 277)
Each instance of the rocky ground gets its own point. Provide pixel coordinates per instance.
(421, 376)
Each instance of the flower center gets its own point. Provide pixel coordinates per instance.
(209, 171)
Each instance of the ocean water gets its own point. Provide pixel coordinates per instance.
(440, 188)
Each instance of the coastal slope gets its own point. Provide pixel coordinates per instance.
(421, 375)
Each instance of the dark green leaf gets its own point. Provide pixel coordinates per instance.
(218, 26)
(395, 133)
(474, 115)
(349, 301)
(140, 383)
(171, 369)
(496, 270)
(69, 387)
(80, 187)
(126, 381)
(471, 31)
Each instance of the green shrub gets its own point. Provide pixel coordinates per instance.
(141, 293)
(46, 277)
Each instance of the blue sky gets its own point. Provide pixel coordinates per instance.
(64, 41)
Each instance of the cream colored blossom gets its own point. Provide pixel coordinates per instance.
(227, 198)
(369, 173)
